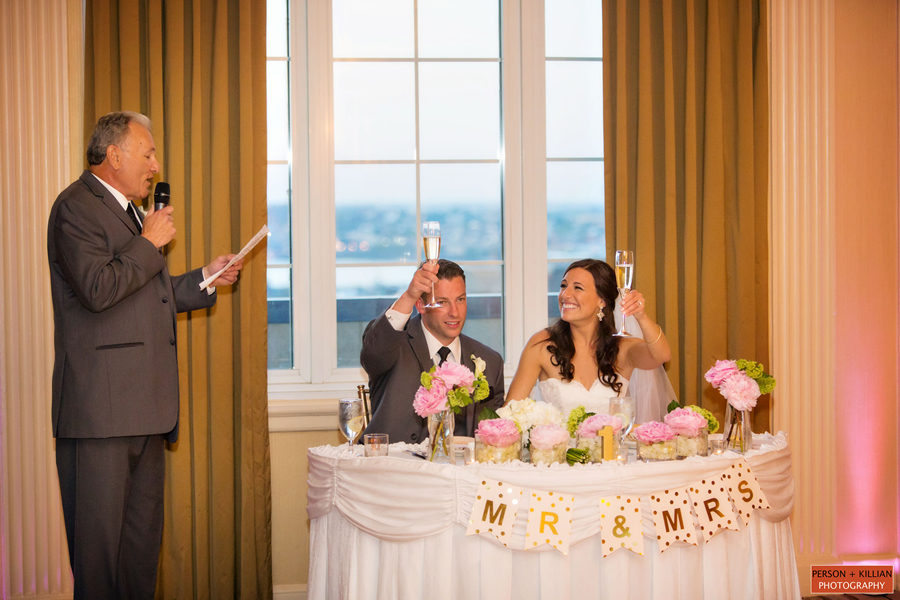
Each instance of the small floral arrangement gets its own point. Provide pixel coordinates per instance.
(576, 417)
(545, 437)
(498, 432)
(450, 386)
(497, 440)
(592, 425)
(686, 422)
(528, 414)
(740, 381)
(652, 432)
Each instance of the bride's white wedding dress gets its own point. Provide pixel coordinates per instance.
(566, 395)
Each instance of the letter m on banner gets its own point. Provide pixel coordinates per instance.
(673, 518)
(494, 510)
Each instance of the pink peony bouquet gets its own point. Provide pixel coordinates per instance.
(652, 432)
(740, 381)
(686, 422)
(498, 432)
(450, 386)
(591, 426)
(545, 437)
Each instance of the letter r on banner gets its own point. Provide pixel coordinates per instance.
(713, 507)
(549, 520)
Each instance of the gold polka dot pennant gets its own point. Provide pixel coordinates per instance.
(712, 505)
(620, 524)
(673, 518)
(549, 519)
(744, 489)
(494, 510)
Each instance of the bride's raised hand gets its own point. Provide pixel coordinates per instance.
(633, 305)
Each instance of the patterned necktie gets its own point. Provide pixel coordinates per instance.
(444, 352)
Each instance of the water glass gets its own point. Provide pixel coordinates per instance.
(376, 444)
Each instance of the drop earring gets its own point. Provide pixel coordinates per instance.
(600, 314)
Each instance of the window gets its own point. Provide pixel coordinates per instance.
(485, 115)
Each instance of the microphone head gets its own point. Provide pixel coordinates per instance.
(161, 195)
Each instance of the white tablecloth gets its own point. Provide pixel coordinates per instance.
(394, 527)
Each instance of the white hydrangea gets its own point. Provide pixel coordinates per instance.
(529, 413)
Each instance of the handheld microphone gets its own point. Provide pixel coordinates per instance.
(161, 196)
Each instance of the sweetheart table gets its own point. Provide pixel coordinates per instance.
(395, 527)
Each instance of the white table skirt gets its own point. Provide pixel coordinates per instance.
(394, 527)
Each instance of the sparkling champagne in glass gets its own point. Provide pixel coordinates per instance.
(431, 240)
(350, 415)
(624, 279)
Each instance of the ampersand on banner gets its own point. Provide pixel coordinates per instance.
(620, 524)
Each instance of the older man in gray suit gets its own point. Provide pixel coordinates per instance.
(398, 347)
(115, 377)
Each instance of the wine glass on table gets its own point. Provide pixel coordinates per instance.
(431, 239)
(350, 415)
(624, 409)
(624, 279)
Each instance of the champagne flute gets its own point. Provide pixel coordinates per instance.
(624, 279)
(624, 409)
(350, 415)
(431, 239)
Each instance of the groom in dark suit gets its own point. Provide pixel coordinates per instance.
(397, 348)
(115, 376)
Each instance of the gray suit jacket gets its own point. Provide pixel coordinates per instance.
(394, 361)
(114, 304)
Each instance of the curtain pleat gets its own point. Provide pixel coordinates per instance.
(686, 151)
(197, 69)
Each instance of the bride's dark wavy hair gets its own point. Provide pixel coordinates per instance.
(561, 346)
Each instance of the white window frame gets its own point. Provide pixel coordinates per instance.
(305, 397)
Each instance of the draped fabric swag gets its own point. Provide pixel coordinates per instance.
(686, 148)
(197, 69)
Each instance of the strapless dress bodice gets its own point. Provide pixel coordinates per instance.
(566, 395)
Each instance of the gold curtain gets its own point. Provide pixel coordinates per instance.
(686, 149)
(197, 69)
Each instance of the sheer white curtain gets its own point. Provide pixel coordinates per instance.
(35, 165)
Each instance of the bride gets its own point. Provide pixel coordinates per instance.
(578, 361)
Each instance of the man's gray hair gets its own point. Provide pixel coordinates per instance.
(111, 130)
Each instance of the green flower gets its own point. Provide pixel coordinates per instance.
(753, 369)
(458, 398)
(426, 378)
(482, 389)
(711, 420)
(577, 415)
(766, 384)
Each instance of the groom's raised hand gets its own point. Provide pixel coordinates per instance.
(421, 283)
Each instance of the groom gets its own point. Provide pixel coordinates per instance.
(397, 348)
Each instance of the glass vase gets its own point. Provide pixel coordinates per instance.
(440, 435)
(738, 429)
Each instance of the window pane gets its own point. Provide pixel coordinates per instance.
(278, 291)
(374, 111)
(373, 28)
(466, 199)
(276, 28)
(363, 293)
(278, 246)
(484, 299)
(574, 109)
(576, 219)
(459, 29)
(573, 28)
(555, 273)
(375, 213)
(459, 110)
(277, 109)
